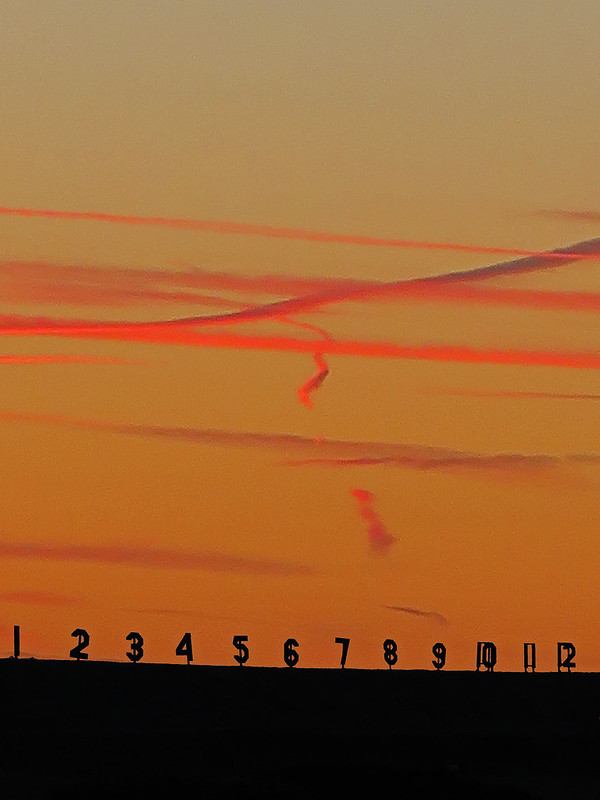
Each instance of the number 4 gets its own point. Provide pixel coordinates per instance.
(184, 648)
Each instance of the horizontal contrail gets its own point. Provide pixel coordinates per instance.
(185, 335)
(335, 452)
(418, 613)
(424, 461)
(582, 216)
(62, 359)
(159, 558)
(272, 231)
(516, 395)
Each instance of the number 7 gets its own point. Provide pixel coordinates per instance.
(344, 643)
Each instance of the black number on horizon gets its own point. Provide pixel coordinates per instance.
(137, 647)
(345, 644)
(290, 656)
(390, 652)
(184, 648)
(565, 661)
(83, 641)
(529, 660)
(243, 653)
(487, 656)
(439, 651)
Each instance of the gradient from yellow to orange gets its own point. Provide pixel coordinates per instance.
(435, 121)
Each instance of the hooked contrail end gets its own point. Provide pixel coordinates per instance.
(312, 384)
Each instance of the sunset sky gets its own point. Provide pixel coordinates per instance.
(380, 457)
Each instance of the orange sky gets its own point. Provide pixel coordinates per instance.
(171, 479)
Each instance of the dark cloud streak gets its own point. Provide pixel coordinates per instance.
(417, 612)
(324, 452)
(157, 558)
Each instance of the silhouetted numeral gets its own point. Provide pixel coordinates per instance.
(345, 644)
(184, 648)
(137, 646)
(529, 656)
(439, 651)
(486, 656)
(290, 656)
(83, 641)
(243, 653)
(390, 652)
(565, 656)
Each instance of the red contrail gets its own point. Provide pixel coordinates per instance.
(379, 539)
(272, 231)
(515, 395)
(61, 359)
(186, 335)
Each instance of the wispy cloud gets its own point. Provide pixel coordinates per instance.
(485, 462)
(321, 451)
(42, 282)
(417, 612)
(158, 558)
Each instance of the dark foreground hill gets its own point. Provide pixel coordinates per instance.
(93, 729)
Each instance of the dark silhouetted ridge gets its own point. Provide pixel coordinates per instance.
(116, 730)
